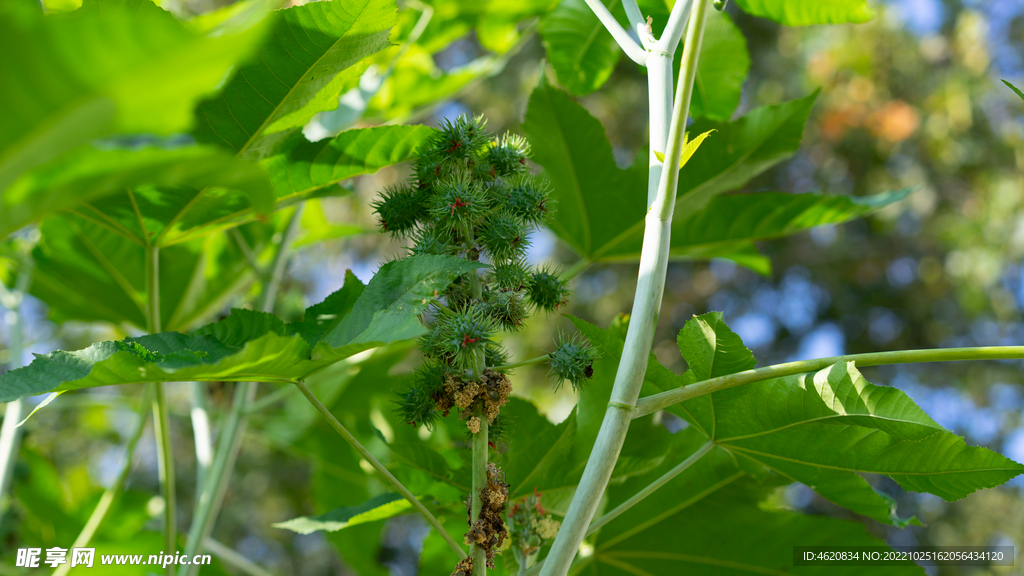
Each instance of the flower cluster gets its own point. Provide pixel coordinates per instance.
(531, 525)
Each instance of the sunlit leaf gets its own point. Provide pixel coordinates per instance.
(107, 67)
(806, 12)
(580, 49)
(379, 507)
(313, 53)
(721, 69)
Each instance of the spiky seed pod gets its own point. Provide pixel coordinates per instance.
(529, 199)
(547, 291)
(399, 209)
(433, 242)
(430, 378)
(434, 344)
(504, 238)
(573, 360)
(459, 294)
(506, 307)
(496, 355)
(459, 203)
(428, 171)
(511, 275)
(457, 336)
(417, 407)
(507, 156)
(460, 141)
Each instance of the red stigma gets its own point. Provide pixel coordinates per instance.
(458, 204)
(467, 340)
(455, 144)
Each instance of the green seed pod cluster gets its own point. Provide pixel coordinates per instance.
(573, 360)
(472, 196)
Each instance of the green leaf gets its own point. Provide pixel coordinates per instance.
(423, 458)
(313, 53)
(596, 199)
(728, 534)
(580, 49)
(88, 174)
(826, 428)
(252, 345)
(84, 271)
(807, 12)
(730, 223)
(1015, 89)
(741, 150)
(538, 450)
(721, 70)
(108, 67)
(308, 167)
(712, 349)
(379, 507)
(602, 206)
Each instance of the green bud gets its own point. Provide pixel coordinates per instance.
(456, 337)
(719, 4)
(529, 199)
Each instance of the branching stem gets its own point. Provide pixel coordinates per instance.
(434, 522)
(646, 309)
(663, 400)
(622, 38)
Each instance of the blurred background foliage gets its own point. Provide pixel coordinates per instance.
(910, 99)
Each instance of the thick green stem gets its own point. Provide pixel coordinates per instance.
(14, 412)
(480, 456)
(646, 309)
(107, 499)
(663, 400)
(161, 412)
(215, 486)
(434, 522)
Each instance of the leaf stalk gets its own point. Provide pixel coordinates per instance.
(651, 404)
(11, 431)
(384, 472)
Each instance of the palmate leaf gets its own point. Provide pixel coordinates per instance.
(379, 507)
(87, 272)
(580, 49)
(313, 53)
(111, 66)
(602, 214)
(168, 215)
(807, 12)
(88, 174)
(825, 429)
(255, 346)
(726, 533)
